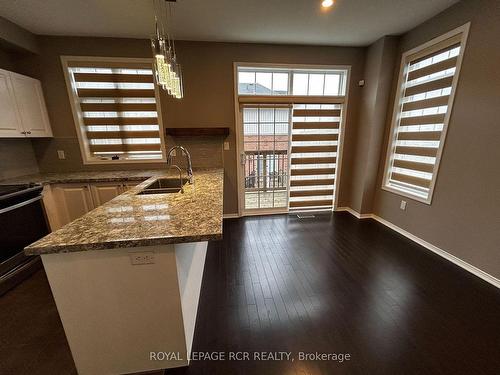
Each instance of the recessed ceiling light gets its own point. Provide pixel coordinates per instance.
(327, 3)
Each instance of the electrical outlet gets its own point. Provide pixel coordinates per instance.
(147, 257)
(61, 155)
(226, 146)
(403, 205)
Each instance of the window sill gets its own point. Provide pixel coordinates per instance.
(407, 194)
(112, 162)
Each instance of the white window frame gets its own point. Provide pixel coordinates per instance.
(78, 116)
(292, 69)
(281, 99)
(464, 30)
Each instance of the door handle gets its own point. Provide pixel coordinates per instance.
(242, 158)
(25, 203)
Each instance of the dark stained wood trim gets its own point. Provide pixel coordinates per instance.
(187, 132)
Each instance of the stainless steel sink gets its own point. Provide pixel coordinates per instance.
(163, 186)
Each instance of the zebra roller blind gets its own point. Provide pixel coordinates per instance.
(427, 83)
(116, 109)
(314, 149)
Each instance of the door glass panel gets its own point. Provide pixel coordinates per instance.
(266, 141)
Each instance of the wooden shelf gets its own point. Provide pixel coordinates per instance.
(193, 132)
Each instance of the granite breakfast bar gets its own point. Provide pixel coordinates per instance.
(126, 277)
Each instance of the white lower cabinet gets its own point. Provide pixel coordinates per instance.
(72, 201)
(103, 192)
(67, 202)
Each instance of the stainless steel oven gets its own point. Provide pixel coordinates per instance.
(22, 221)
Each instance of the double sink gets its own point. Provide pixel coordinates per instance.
(171, 185)
(164, 186)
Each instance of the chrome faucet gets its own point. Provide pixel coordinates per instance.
(180, 176)
(189, 168)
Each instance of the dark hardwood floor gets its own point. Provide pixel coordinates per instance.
(332, 284)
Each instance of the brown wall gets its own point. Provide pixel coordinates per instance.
(368, 135)
(463, 218)
(17, 36)
(208, 101)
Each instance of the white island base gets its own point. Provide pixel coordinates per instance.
(116, 314)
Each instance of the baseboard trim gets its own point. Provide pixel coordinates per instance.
(230, 216)
(263, 213)
(452, 258)
(354, 213)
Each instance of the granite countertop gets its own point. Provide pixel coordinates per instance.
(131, 220)
(85, 176)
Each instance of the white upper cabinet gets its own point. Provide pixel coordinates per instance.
(9, 120)
(22, 107)
(31, 106)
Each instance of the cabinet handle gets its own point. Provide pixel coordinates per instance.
(23, 132)
(28, 132)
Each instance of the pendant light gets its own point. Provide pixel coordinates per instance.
(168, 71)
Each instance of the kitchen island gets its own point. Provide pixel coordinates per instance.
(126, 277)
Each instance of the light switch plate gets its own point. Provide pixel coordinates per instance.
(403, 205)
(147, 257)
(226, 146)
(61, 155)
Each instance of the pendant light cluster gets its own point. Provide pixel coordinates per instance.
(168, 71)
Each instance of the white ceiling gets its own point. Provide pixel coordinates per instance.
(348, 22)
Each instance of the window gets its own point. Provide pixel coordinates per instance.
(424, 100)
(262, 82)
(292, 120)
(115, 108)
(286, 81)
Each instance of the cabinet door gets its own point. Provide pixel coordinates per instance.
(52, 209)
(73, 201)
(31, 106)
(10, 124)
(103, 192)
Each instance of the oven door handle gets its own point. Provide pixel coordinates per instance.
(21, 204)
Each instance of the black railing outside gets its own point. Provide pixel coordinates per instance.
(266, 172)
(272, 181)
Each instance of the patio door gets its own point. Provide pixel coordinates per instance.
(289, 130)
(265, 158)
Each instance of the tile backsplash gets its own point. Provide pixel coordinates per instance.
(20, 157)
(17, 158)
(206, 152)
